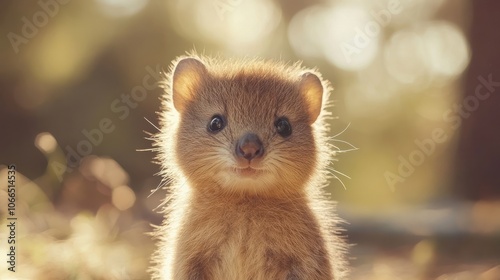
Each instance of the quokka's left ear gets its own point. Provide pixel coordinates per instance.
(311, 89)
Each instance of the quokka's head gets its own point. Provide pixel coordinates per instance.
(244, 126)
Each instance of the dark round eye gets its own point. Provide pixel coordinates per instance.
(216, 124)
(283, 127)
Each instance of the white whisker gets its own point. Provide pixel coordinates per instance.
(152, 124)
(353, 148)
(343, 185)
(338, 172)
(340, 133)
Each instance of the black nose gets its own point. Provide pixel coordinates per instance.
(249, 146)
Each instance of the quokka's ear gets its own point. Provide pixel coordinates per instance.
(187, 77)
(311, 89)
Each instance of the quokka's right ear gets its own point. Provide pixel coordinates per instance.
(312, 89)
(187, 76)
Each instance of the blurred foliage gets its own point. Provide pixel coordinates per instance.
(55, 244)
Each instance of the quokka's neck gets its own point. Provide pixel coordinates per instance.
(214, 196)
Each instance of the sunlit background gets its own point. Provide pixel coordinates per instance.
(417, 175)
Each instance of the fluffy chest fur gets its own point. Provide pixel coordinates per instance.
(251, 238)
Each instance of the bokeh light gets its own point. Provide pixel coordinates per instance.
(241, 26)
(437, 50)
(121, 8)
(344, 34)
(123, 197)
(405, 58)
(46, 142)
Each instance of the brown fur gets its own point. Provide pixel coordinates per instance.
(278, 226)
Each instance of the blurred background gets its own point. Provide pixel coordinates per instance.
(417, 99)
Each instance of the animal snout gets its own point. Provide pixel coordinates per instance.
(249, 147)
